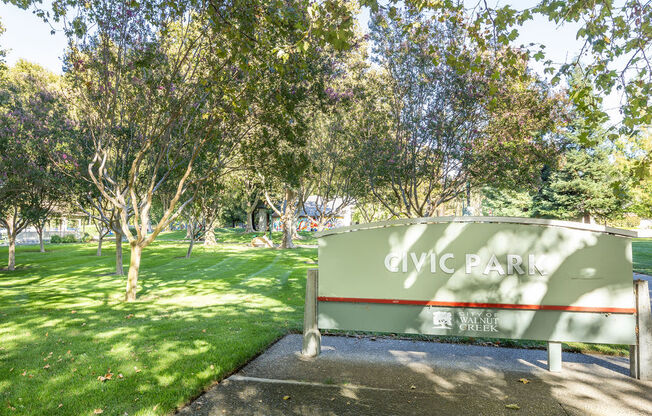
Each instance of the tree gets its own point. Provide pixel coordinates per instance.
(449, 109)
(32, 113)
(586, 185)
(615, 53)
(150, 96)
(202, 214)
(203, 211)
(82, 193)
(633, 155)
(333, 179)
(504, 202)
(278, 150)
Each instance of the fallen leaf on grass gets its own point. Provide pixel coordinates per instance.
(131, 315)
(46, 366)
(60, 405)
(203, 330)
(512, 406)
(73, 311)
(286, 397)
(107, 376)
(524, 380)
(83, 323)
(11, 369)
(137, 369)
(413, 387)
(98, 411)
(120, 375)
(24, 373)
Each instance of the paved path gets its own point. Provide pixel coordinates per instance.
(396, 377)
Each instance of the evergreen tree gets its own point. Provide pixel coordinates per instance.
(499, 202)
(585, 185)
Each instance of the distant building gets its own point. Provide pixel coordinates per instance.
(308, 219)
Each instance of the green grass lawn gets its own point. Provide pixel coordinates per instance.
(642, 254)
(63, 324)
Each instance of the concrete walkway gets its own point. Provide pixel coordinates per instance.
(363, 376)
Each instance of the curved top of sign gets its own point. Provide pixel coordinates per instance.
(497, 220)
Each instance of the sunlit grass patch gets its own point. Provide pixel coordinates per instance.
(642, 255)
(63, 324)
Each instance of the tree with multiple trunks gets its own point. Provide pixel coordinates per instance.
(151, 91)
(332, 179)
(278, 151)
(33, 112)
(449, 123)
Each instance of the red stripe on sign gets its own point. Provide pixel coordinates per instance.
(479, 305)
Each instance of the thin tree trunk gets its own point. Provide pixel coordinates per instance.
(132, 277)
(286, 241)
(40, 238)
(288, 219)
(188, 231)
(250, 218)
(99, 245)
(192, 243)
(119, 269)
(12, 251)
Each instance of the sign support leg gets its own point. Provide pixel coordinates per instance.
(554, 356)
(640, 355)
(311, 336)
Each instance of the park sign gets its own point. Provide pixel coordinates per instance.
(492, 277)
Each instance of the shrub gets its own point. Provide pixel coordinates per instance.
(70, 238)
(55, 239)
(86, 238)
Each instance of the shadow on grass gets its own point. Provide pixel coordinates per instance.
(196, 320)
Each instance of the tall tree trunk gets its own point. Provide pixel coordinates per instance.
(40, 238)
(119, 269)
(12, 251)
(288, 219)
(250, 217)
(99, 245)
(286, 241)
(192, 243)
(132, 277)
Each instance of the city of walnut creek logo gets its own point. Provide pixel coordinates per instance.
(466, 321)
